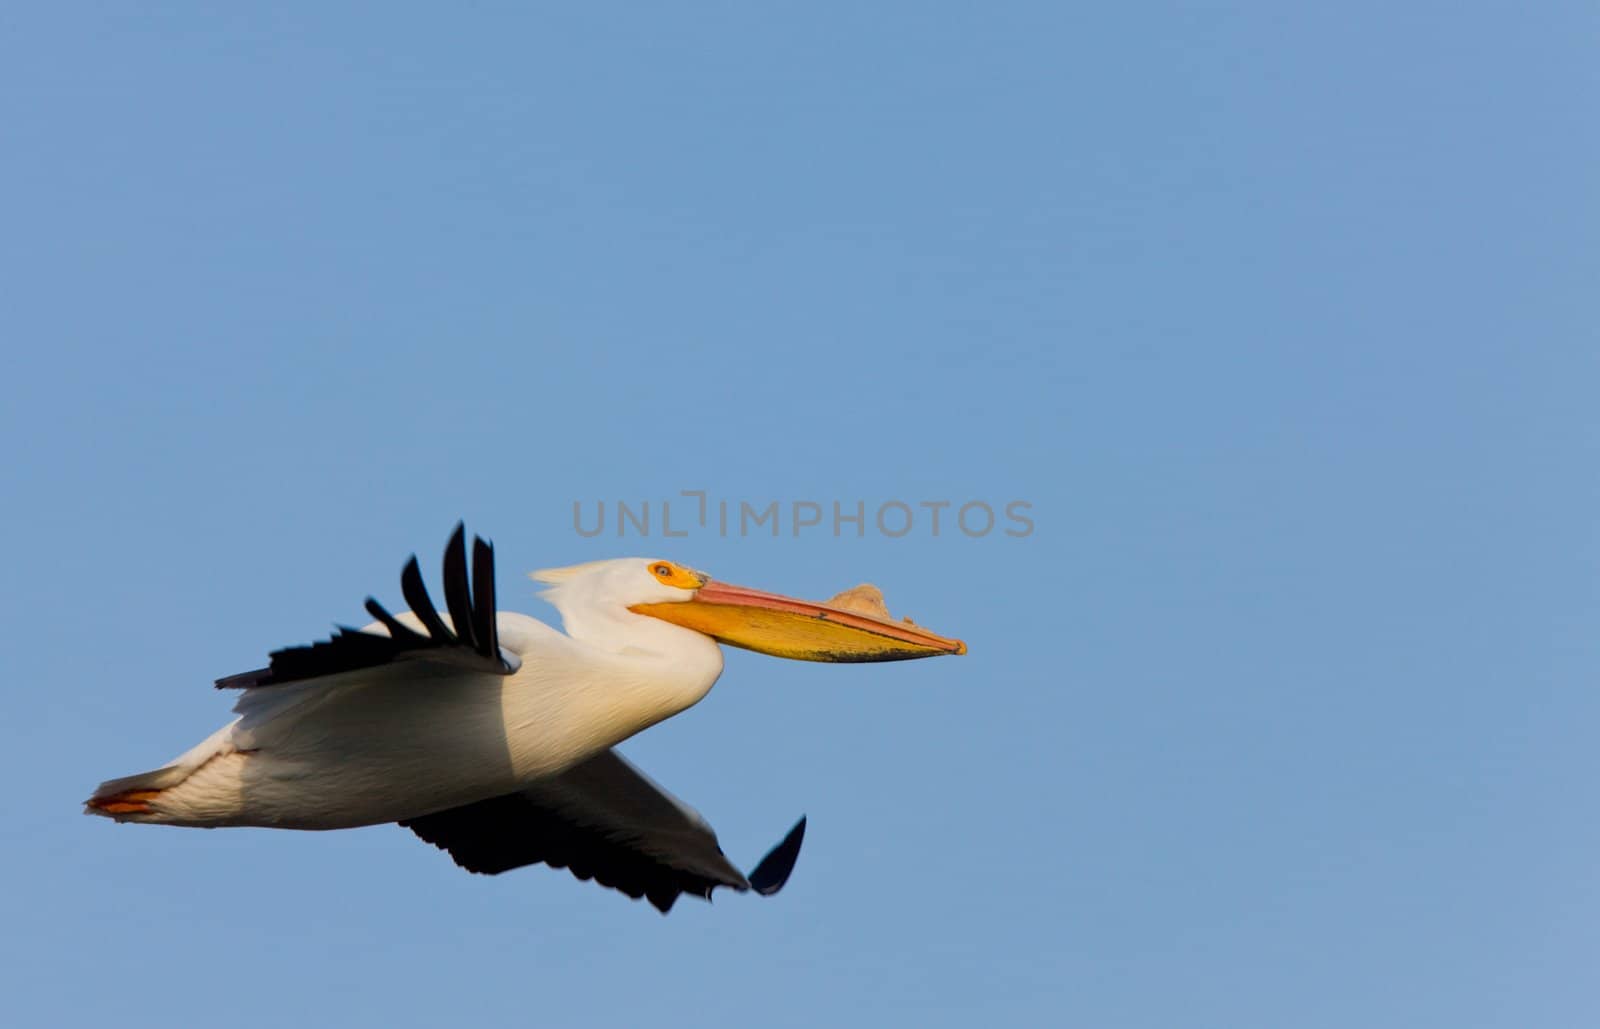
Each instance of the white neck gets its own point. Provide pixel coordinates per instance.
(624, 673)
(620, 631)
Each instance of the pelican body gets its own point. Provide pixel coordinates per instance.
(490, 733)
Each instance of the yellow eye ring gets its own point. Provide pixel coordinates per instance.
(669, 574)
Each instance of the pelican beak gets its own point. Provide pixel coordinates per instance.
(803, 630)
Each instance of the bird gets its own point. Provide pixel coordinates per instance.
(492, 735)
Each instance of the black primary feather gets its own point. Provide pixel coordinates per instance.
(511, 831)
(774, 870)
(416, 595)
(457, 596)
(484, 628)
(471, 609)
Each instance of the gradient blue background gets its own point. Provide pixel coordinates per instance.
(1282, 320)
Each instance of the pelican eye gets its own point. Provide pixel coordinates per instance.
(665, 571)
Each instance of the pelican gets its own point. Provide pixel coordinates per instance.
(490, 734)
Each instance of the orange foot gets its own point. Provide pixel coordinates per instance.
(128, 802)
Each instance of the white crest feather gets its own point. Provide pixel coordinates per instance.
(556, 576)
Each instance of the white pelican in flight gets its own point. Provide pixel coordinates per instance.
(489, 734)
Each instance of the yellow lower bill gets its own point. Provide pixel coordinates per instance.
(802, 630)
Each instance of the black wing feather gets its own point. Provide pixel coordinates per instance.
(416, 595)
(351, 649)
(457, 596)
(512, 831)
(398, 630)
(484, 628)
(772, 871)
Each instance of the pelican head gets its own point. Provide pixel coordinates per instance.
(770, 623)
(621, 582)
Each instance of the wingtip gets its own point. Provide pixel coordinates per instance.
(773, 871)
(244, 680)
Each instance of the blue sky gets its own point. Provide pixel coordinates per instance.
(1281, 320)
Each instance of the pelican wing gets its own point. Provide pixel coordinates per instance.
(470, 640)
(604, 820)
